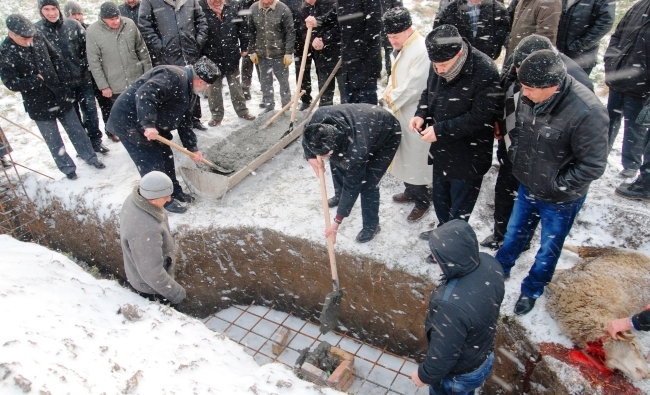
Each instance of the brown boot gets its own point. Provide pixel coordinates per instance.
(214, 122)
(417, 214)
(247, 117)
(402, 198)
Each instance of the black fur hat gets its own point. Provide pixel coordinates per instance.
(396, 20)
(206, 70)
(321, 138)
(542, 69)
(443, 43)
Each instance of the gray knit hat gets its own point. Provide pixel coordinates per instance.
(396, 20)
(72, 8)
(108, 10)
(443, 43)
(20, 25)
(528, 45)
(156, 185)
(542, 69)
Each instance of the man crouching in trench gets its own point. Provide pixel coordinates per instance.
(147, 243)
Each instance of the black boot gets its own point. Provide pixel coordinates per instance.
(638, 190)
(99, 147)
(175, 207)
(524, 305)
(367, 234)
(492, 242)
(184, 197)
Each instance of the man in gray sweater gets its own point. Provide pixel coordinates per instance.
(147, 243)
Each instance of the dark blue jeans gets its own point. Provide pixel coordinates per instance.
(636, 150)
(359, 86)
(557, 220)
(84, 95)
(464, 383)
(454, 198)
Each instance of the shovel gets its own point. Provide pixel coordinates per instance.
(214, 168)
(303, 63)
(329, 316)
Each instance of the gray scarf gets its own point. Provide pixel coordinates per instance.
(453, 72)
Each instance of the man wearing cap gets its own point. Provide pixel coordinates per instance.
(72, 10)
(117, 54)
(31, 66)
(411, 68)
(147, 243)
(68, 38)
(463, 312)
(456, 113)
(360, 141)
(157, 103)
(130, 9)
(559, 146)
(505, 189)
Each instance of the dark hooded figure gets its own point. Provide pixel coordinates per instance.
(463, 312)
(360, 141)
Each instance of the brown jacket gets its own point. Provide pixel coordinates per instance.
(534, 17)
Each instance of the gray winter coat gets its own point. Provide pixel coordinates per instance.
(148, 248)
(272, 31)
(116, 57)
(174, 35)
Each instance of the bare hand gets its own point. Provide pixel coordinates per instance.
(243, 54)
(332, 231)
(311, 22)
(429, 135)
(108, 92)
(317, 43)
(619, 325)
(197, 156)
(150, 133)
(416, 379)
(416, 124)
(316, 166)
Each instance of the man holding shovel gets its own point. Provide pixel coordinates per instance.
(360, 141)
(157, 103)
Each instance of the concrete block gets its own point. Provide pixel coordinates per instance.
(313, 374)
(280, 341)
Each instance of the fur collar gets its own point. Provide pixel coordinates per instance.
(158, 213)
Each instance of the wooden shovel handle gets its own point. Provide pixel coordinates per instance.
(183, 150)
(303, 62)
(285, 108)
(326, 209)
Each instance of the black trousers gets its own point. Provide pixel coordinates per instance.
(324, 66)
(420, 194)
(306, 79)
(454, 198)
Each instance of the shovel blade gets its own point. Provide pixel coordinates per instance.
(329, 317)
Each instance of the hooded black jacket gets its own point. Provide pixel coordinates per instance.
(162, 98)
(44, 99)
(627, 56)
(493, 25)
(463, 113)
(557, 153)
(68, 38)
(368, 134)
(227, 38)
(464, 308)
(360, 22)
(174, 36)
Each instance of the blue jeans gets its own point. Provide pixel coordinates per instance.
(636, 147)
(85, 100)
(464, 383)
(557, 220)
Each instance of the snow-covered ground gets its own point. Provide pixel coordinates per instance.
(61, 333)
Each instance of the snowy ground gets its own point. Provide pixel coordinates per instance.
(61, 333)
(283, 195)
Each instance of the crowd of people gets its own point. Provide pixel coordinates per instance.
(146, 63)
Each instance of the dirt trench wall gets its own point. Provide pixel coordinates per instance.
(221, 267)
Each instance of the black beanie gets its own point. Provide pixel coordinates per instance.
(443, 43)
(108, 10)
(529, 45)
(71, 8)
(396, 20)
(206, 70)
(43, 3)
(320, 138)
(20, 25)
(542, 69)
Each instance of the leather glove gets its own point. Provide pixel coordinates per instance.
(644, 115)
(254, 58)
(288, 59)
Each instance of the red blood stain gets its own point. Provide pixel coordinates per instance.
(592, 366)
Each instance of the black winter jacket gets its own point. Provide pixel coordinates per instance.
(328, 29)
(161, 98)
(582, 25)
(68, 38)
(371, 133)
(642, 320)
(493, 25)
(130, 12)
(44, 99)
(464, 309)
(227, 38)
(462, 113)
(627, 56)
(557, 153)
(360, 22)
(174, 36)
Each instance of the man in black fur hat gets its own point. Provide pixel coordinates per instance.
(360, 141)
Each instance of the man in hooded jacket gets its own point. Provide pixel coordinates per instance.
(463, 312)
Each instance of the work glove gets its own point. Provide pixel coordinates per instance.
(254, 58)
(288, 60)
(644, 116)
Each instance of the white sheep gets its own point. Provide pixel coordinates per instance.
(608, 283)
